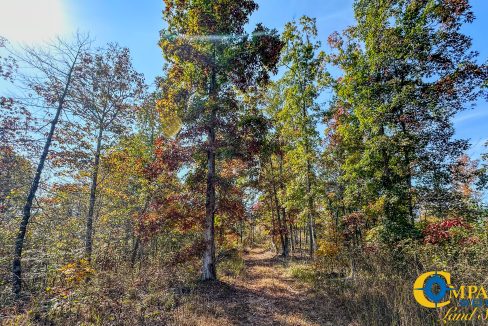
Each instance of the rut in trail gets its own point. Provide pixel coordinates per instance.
(264, 295)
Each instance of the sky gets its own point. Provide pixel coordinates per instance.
(136, 24)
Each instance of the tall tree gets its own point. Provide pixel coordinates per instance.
(209, 58)
(49, 75)
(106, 97)
(408, 70)
(297, 114)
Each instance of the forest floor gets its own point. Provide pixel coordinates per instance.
(266, 293)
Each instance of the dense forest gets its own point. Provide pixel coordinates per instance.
(235, 192)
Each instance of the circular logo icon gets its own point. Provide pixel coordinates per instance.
(431, 288)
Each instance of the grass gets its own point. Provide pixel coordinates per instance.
(302, 272)
(255, 288)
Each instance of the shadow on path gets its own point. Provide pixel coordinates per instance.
(264, 295)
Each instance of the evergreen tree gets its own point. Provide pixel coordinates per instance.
(209, 59)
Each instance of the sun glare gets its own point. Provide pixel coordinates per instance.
(32, 21)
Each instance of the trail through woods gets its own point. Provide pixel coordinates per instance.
(265, 294)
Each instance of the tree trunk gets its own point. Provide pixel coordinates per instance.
(310, 210)
(93, 194)
(310, 203)
(273, 223)
(26, 213)
(286, 237)
(283, 240)
(300, 239)
(292, 237)
(135, 250)
(279, 215)
(242, 232)
(209, 270)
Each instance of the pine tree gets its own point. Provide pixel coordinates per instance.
(209, 59)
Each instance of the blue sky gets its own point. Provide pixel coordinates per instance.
(136, 24)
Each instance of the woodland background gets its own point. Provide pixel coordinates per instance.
(119, 203)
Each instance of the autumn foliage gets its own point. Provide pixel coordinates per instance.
(332, 167)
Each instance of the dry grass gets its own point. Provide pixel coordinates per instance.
(260, 289)
(265, 294)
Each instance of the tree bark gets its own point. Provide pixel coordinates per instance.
(26, 214)
(209, 270)
(280, 218)
(286, 236)
(292, 237)
(242, 232)
(310, 204)
(135, 250)
(93, 194)
(310, 208)
(273, 223)
(300, 239)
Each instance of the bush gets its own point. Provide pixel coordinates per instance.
(380, 290)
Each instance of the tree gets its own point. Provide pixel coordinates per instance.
(15, 176)
(483, 173)
(210, 57)
(407, 71)
(106, 96)
(272, 183)
(50, 74)
(465, 199)
(9, 115)
(297, 114)
(8, 65)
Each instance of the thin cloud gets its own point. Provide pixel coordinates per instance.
(472, 115)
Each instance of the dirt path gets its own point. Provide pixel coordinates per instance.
(265, 294)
